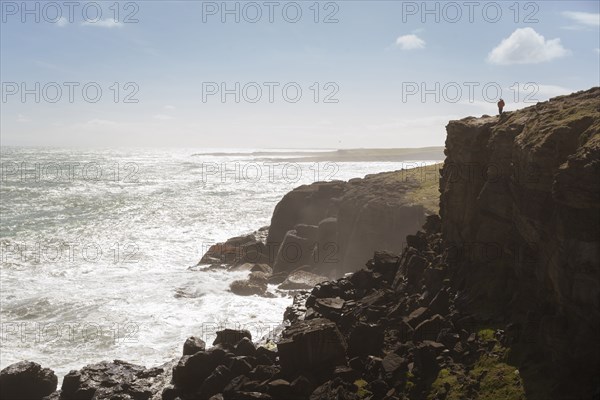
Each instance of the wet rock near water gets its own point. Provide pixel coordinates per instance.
(26, 380)
(113, 380)
(383, 332)
(239, 250)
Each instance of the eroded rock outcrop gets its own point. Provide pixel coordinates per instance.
(348, 220)
(330, 228)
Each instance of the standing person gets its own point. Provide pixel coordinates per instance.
(500, 106)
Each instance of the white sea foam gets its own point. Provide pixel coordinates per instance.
(95, 267)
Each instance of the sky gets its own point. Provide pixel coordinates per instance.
(271, 74)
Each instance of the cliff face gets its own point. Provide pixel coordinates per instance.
(338, 225)
(520, 208)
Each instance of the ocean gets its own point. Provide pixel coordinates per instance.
(98, 247)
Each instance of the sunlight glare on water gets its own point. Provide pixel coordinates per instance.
(97, 245)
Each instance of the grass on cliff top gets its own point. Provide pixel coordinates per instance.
(427, 194)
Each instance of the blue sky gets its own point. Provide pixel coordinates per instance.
(373, 63)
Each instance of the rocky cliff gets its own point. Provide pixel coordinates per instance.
(520, 209)
(326, 229)
(338, 225)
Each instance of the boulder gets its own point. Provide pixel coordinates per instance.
(270, 353)
(262, 268)
(280, 389)
(329, 307)
(425, 356)
(416, 266)
(245, 347)
(247, 287)
(384, 263)
(231, 337)
(239, 250)
(418, 241)
(430, 328)
(440, 303)
(264, 372)
(215, 382)
(417, 316)
(365, 339)
(299, 280)
(193, 345)
(191, 371)
(26, 380)
(311, 345)
(336, 389)
(117, 379)
(393, 363)
(302, 386)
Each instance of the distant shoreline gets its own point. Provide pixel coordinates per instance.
(348, 155)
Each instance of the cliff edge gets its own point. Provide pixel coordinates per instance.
(520, 210)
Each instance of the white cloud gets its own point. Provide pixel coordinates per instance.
(169, 107)
(410, 42)
(597, 50)
(583, 18)
(22, 118)
(62, 21)
(162, 117)
(103, 23)
(526, 46)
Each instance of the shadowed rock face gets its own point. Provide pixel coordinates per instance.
(354, 219)
(27, 381)
(520, 204)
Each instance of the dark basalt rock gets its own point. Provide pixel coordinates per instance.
(231, 337)
(430, 328)
(336, 389)
(117, 379)
(245, 347)
(520, 208)
(239, 250)
(216, 381)
(247, 287)
(26, 380)
(311, 345)
(301, 280)
(192, 370)
(193, 345)
(365, 339)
